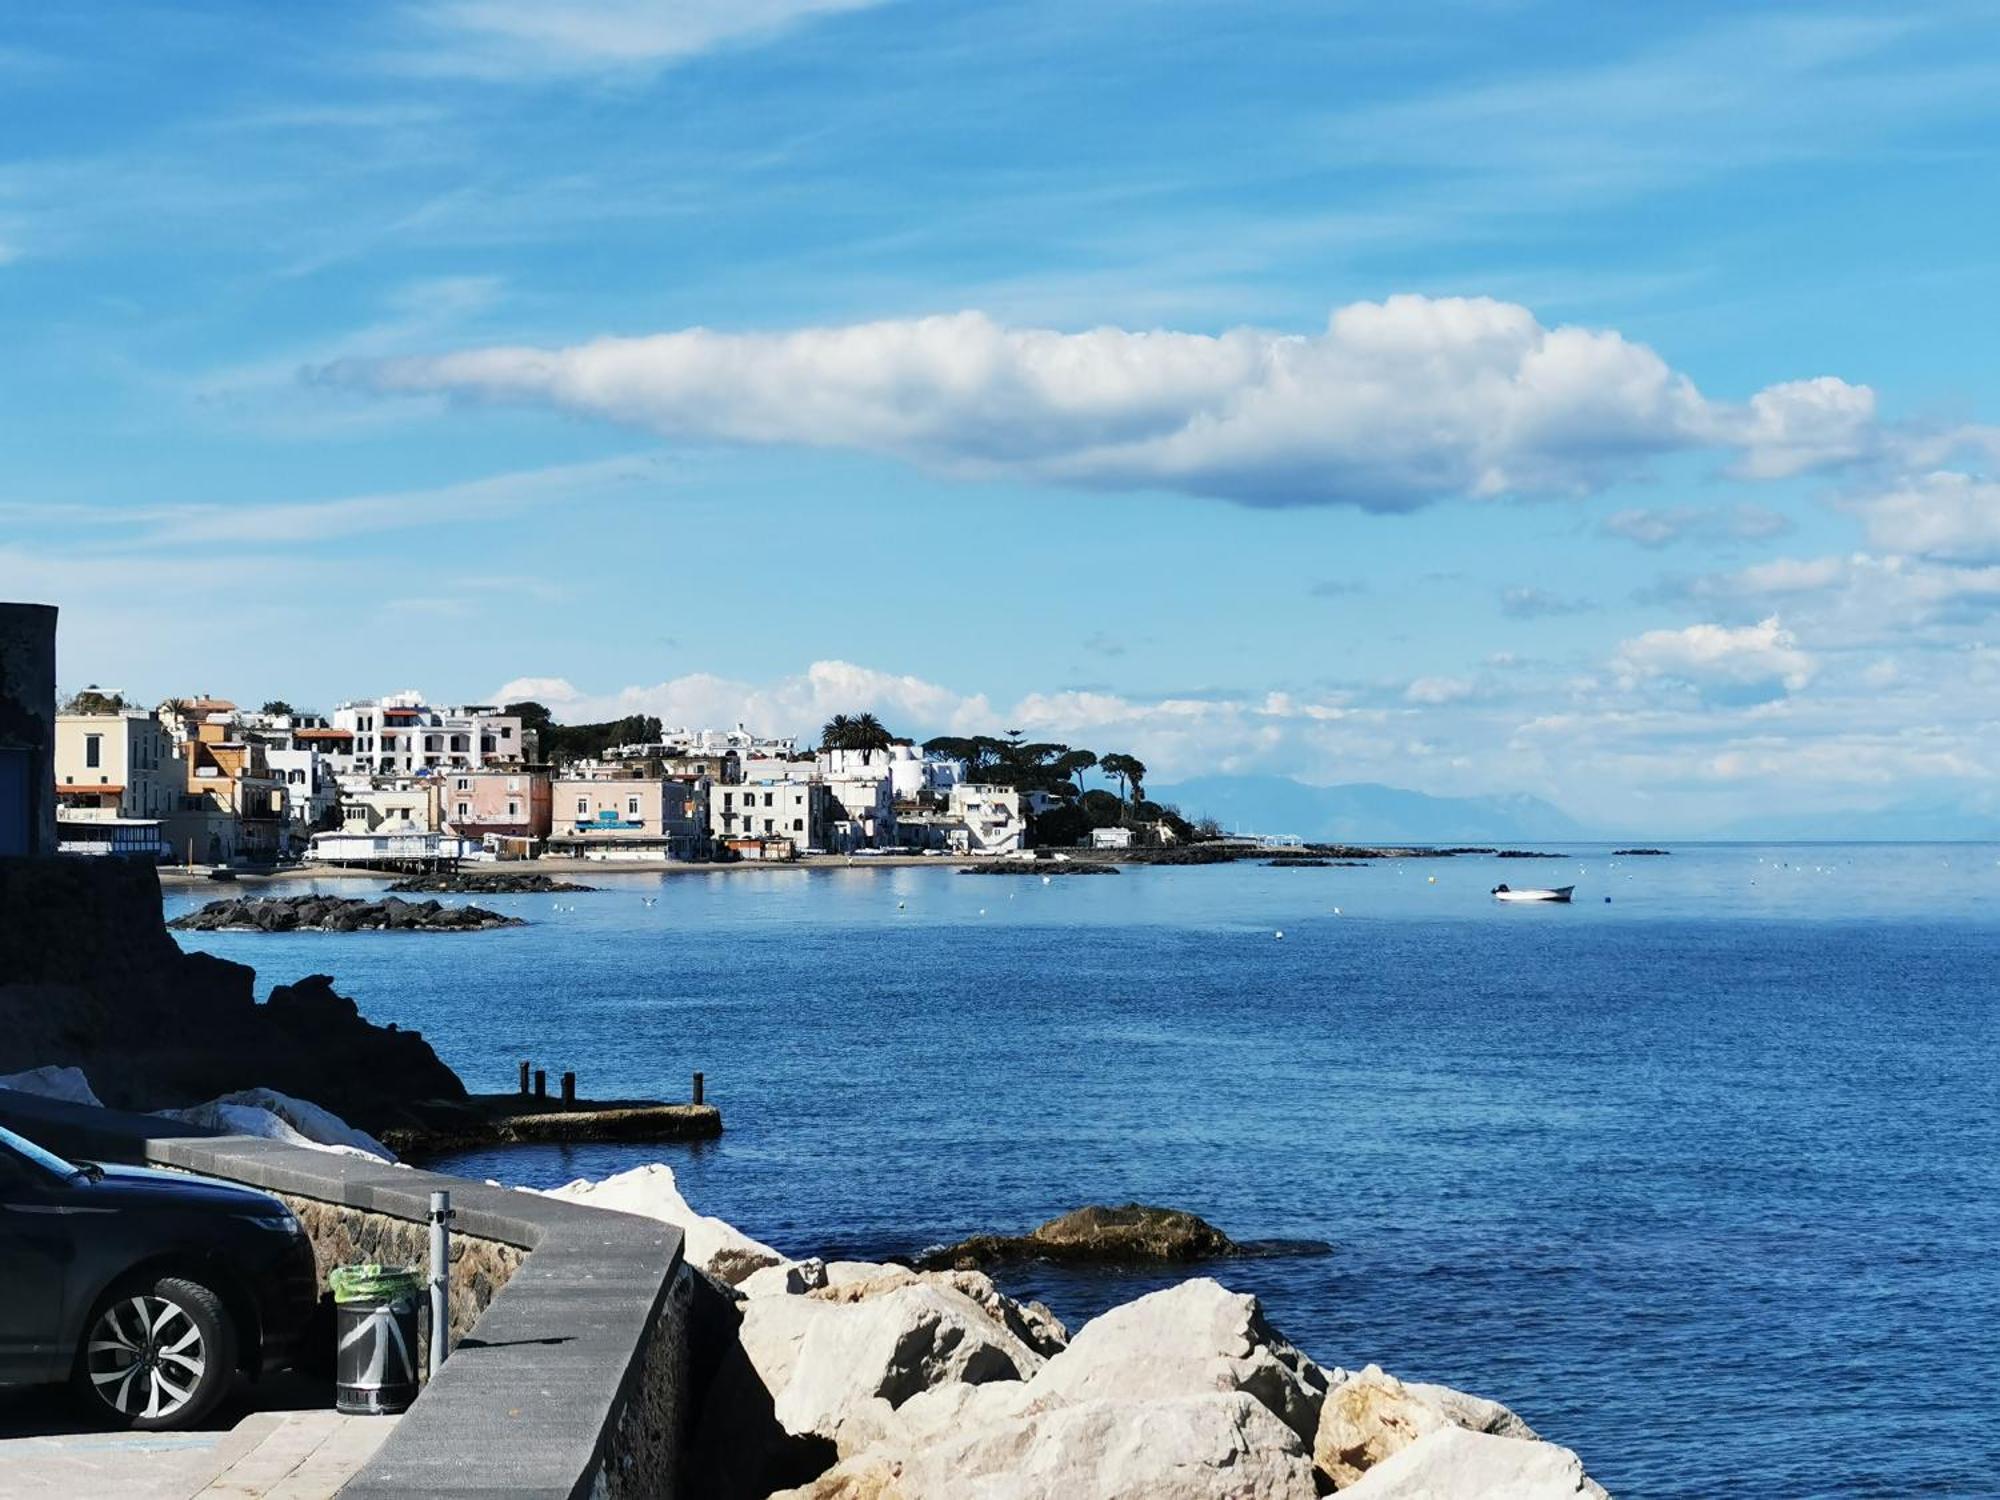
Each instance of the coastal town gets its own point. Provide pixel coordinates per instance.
(397, 783)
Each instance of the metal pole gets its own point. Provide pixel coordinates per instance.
(440, 1278)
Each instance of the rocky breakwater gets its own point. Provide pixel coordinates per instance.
(839, 1380)
(339, 914)
(90, 978)
(472, 883)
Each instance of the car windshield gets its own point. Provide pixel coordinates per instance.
(48, 1161)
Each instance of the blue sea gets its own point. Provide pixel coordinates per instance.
(1700, 1174)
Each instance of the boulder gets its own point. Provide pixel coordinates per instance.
(319, 1127)
(67, 1084)
(1455, 1463)
(1370, 1416)
(1194, 1337)
(1134, 1234)
(856, 1356)
(250, 1119)
(1215, 1446)
(651, 1192)
(1030, 1322)
(787, 1278)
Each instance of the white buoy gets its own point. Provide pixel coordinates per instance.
(1045, 879)
(1336, 911)
(1279, 934)
(1432, 879)
(899, 906)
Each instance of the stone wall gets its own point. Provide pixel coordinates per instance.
(643, 1455)
(28, 728)
(344, 1236)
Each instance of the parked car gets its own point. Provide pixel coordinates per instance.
(148, 1291)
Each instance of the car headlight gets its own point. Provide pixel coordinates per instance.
(282, 1222)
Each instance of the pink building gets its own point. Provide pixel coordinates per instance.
(505, 804)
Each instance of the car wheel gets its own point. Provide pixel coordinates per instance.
(157, 1354)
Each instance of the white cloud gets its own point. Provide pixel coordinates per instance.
(1804, 424)
(1662, 526)
(1437, 690)
(1942, 515)
(1395, 404)
(533, 37)
(1718, 658)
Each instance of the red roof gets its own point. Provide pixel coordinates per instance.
(115, 790)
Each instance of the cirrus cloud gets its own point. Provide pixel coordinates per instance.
(1394, 405)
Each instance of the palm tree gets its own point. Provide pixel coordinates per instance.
(866, 733)
(835, 735)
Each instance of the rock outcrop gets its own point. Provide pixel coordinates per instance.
(339, 914)
(280, 1117)
(483, 883)
(90, 978)
(1133, 1234)
(855, 1381)
(651, 1192)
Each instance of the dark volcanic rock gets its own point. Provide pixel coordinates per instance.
(1303, 862)
(469, 883)
(1039, 867)
(90, 978)
(1134, 1234)
(1632, 853)
(1528, 854)
(339, 914)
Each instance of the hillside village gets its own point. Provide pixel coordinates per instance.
(395, 781)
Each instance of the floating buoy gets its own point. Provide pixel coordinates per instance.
(1432, 879)
(1280, 933)
(1336, 911)
(899, 906)
(1045, 879)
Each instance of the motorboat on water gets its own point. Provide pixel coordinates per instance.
(1507, 893)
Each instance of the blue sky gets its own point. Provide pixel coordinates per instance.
(1588, 401)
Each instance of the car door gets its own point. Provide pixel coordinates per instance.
(36, 1251)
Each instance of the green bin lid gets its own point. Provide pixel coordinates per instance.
(373, 1283)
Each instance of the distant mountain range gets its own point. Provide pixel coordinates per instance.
(1363, 811)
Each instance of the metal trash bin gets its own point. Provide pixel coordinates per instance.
(375, 1338)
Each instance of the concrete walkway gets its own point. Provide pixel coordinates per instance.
(267, 1455)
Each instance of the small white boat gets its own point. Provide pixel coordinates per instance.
(1560, 893)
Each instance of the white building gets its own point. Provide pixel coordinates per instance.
(1110, 838)
(311, 788)
(797, 810)
(400, 735)
(987, 820)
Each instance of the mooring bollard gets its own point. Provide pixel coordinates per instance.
(441, 1216)
(697, 1088)
(524, 1079)
(541, 1083)
(569, 1088)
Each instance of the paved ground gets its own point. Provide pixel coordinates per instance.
(292, 1446)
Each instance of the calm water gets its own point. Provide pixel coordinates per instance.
(1702, 1181)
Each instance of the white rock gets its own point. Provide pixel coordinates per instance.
(1217, 1446)
(1371, 1415)
(67, 1084)
(651, 1193)
(251, 1119)
(886, 1348)
(1030, 1322)
(1194, 1337)
(1452, 1463)
(846, 1272)
(788, 1278)
(320, 1126)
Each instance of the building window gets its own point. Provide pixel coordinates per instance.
(513, 783)
(631, 807)
(93, 750)
(464, 784)
(583, 807)
(767, 799)
(464, 811)
(513, 810)
(798, 825)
